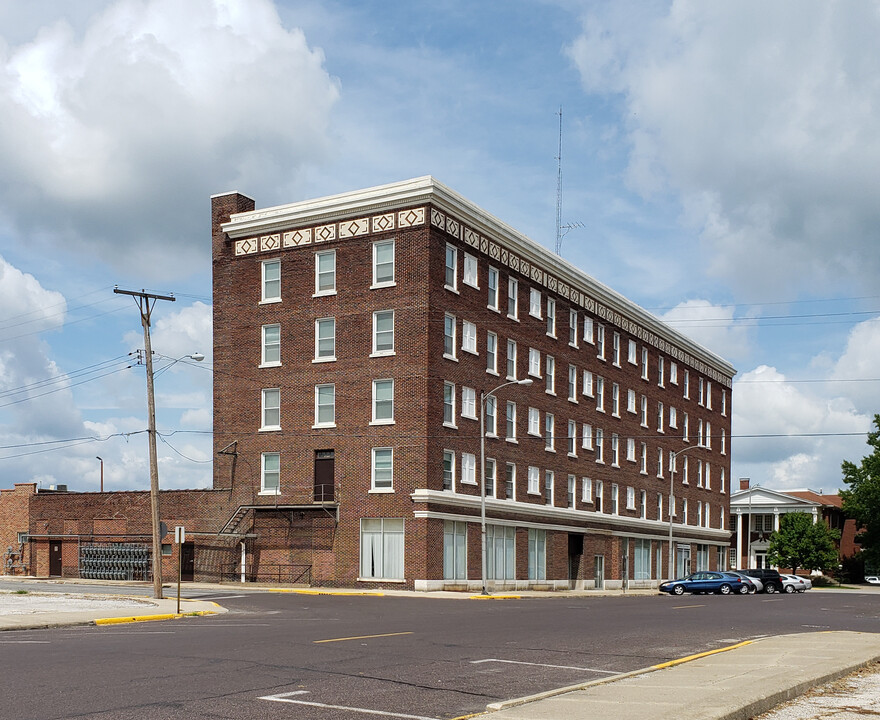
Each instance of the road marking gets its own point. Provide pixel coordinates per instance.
(24, 642)
(285, 698)
(560, 667)
(700, 655)
(362, 637)
(685, 607)
(214, 597)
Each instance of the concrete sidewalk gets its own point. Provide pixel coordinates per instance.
(736, 684)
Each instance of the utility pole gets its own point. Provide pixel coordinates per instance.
(146, 301)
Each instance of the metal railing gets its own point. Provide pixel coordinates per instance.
(268, 573)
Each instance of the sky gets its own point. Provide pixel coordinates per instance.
(720, 164)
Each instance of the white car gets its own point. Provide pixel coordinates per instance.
(795, 583)
(872, 579)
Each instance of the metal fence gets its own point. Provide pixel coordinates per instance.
(115, 561)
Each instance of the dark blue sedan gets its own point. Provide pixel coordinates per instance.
(707, 582)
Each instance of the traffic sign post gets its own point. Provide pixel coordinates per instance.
(179, 539)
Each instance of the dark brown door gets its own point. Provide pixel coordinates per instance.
(187, 561)
(55, 557)
(325, 461)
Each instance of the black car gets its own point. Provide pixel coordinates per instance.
(770, 578)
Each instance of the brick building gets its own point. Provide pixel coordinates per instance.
(354, 338)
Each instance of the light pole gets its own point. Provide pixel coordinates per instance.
(102, 471)
(672, 467)
(483, 398)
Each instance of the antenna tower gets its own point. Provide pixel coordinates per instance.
(559, 189)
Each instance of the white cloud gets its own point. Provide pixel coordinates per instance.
(712, 326)
(859, 362)
(117, 130)
(762, 117)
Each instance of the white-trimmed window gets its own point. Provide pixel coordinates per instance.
(382, 543)
(723, 488)
(383, 332)
(489, 478)
(468, 337)
(449, 404)
(723, 403)
(684, 427)
(271, 345)
(535, 302)
(630, 498)
(631, 449)
(492, 303)
(660, 417)
(615, 499)
(699, 514)
(448, 470)
(550, 369)
(549, 423)
(468, 469)
(491, 417)
(673, 373)
(270, 281)
(469, 403)
(510, 425)
(325, 339)
(699, 473)
(572, 438)
(454, 550)
(382, 473)
(587, 436)
(659, 462)
(643, 421)
(631, 354)
(643, 459)
(573, 328)
(534, 363)
(470, 271)
(549, 487)
(271, 409)
(644, 363)
(685, 465)
(383, 263)
(510, 482)
(325, 273)
(588, 330)
(588, 389)
(537, 554)
(270, 473)
(723, 441)
(661, 381)
(449, 328)
(686, 388)
(708, 394)
(673, 418)
(701, 393)
(684, 511)
(513, 298)
(615, 349)
(551, 317)
(631, 401)
(383, 402)
(534, 422)
(572, 483)
(572, 383)
(450, 277)
(707, 477)
(708, 434)
(700, 432)
(615, 450)
(598, 495)
(511, 359)
(600, 394)
(600, 341)
(491, 353)
(615, 400)
(660, 506)
(534, 480)
(325, 405)
(600, 445)
(586, 490)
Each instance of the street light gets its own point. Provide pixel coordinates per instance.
(672, 467)
(483, 398)
(102, 471)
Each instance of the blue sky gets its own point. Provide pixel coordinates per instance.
(721, 161)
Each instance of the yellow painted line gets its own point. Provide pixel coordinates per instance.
(149, 618)
(685, 607)
(495, 597)
(326, 592)
(362, 637)
(700, 655)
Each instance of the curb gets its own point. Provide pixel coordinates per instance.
(150, 618)
(350, 593)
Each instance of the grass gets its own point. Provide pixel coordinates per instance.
(20, 592)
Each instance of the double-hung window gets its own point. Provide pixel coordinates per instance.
(644, 363)
(325, 273)
(383, 332)
(631, 449)
(673, 373)
(550, 367)
(587, 436)
(513, 298)
(630, 498)
(325, 405)
(660, 417)
(271, 281)
(271, 353)
(586, 490)
(549, 442)
(450, 279)
(573, 328)
(615, 450)
(271, 409)
(535, 302)
(383, 402)
(534, 481)
(469, 403)
(631, 401)
(510, 482)
(270, 473)
(383, 468)
(572, 383)
(615, 499)
(491, 416)
(631, 353)
(534, 422)
(468, 468)
(643, 459)
(600, 341)
(382, 544)
(588, 389)
(325, 339)
(600, 446)
(615, 400)
(572, 438)
(549, 482)
(489, 478)
(449, 404)
(643, 421)
(449, 336)
(551, 317)
(511, 359)
(600, 394)
(491, 353)
(468, 337)
(511, 421)
(383, 263)
(661, 380)
(470, 271)
(534, 362)
(493, 289)
(588, 330)
(615, 347)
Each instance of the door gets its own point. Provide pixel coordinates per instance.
(760, 560)
(187, 561)
(683, 561)
(575, 552)
(325, 461)
(55, 557)
(624, 562)
(599, 572)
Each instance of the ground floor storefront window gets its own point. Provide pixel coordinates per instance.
(642, 560)
(537, 554)
(382, 548)
(454, 550)
(501, 552)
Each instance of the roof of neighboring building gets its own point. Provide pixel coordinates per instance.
(832, 500)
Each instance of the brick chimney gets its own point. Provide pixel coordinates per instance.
(744, 483)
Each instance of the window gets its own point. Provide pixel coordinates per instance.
(548, 487)
(701, 396)
(271, 281)
(600, 394)
(615, 450)
(699, 473)
(533, 477)
(470, 271)
(724, 403)
(468, 337)
(673, 373)
(684, 511)
(489, 478)
(449, 404)
(491, 416)
(510, 482)
(511, 359)
(270, 473)
(586, 490)
(548, 432)
(550, 368)
(511, 421)
(383, 402)
(570, 494)
(449, 336)
(325, 273)
(468, 469)
(685, 466)
(644, 412)
(500, 552)
(599, 495)
(631, 449)
(615, 348)
(600, 341)
(762, 523)
(382, 468)
(707, 479)
(573, 328)
(700, 432)
(448, 470)
(537, 554)
(325, 339)
(572, 383)
(588, 384)
(383, 263)
(512, 298)
(534, 362)
(588, 330)
(660, 372)
(660, 506)
(643, 459)
(642, 560)
(493, 289)
(722, 489)
(325, 405)
(631, 401)
(587, 435)
(615, 400)
(684, 427)
(491, 353)
(686, 388)
(708, 434)
(631, 353)
(630, 498)
(644, 363)
(643, 504)
(382, 548)
(615, 499)
(723, 441)
(450, 279)
(534, 422)
(271, 354)
(673, 418)
(709, 394)
(383, 332)
(600, 445)
(469, 403)
(271, 412)
(551, 317)
(659, 462)
(572, 438)
(660, 417)
(534, 303)
(454, 550)
(699, 514)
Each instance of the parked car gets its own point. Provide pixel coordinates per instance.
(754, 584)
(795, 583)
(770, 578)
(872, 579)
(706, 581)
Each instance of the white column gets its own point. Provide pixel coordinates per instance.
(776, 519)
(740, 540)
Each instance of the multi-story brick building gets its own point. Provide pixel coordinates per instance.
(355, 337)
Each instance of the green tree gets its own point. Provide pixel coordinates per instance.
(801, 543)
(862, 500)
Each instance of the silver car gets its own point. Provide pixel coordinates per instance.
(756, 584)
(795, 583)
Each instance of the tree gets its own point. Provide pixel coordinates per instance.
(862, 500)
(801, 543)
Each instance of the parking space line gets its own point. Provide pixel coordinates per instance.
(361, 637)
(558, 667)
(685, 607)
(286, 698)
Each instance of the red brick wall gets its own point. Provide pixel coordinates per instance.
(14, 520)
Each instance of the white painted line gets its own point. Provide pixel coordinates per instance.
(285, 698)
(559, 667)
(214, 597)
(24, 642)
